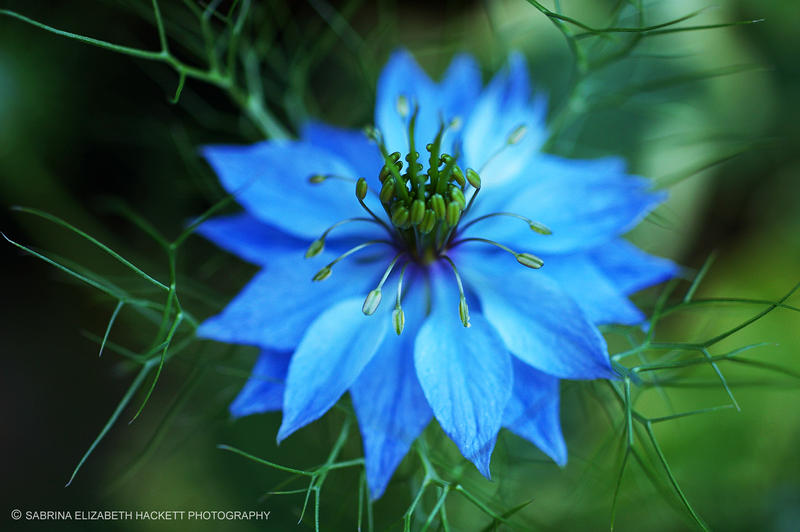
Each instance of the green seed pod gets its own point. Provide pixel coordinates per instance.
(453, 213)
(438, 206)
(473, 178)
(317, 179)
(417, 211)
(361, 188)
(447, 159)
(529, 260)
(371, 302)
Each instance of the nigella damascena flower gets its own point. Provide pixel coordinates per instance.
(423, 294)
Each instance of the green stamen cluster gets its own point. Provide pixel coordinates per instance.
(424, 209)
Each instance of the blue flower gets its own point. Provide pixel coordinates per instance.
(421, 294)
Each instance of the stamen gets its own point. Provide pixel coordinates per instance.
(325, 272)
(398, 316)
(515, 136)
(316, 179)
(526, 259)
(463, 309)
(361, 193)
(318, 245)
(373, 299)
(535, 226)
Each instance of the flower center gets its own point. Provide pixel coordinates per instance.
(423, 209)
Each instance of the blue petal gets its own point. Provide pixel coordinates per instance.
(263, 391)
(250, 238)
(391, 408)
(465, 374)
(460, 87)
(585, 203)
(539, 323)
(601, 300)
(279, 303)
(630, 268)
(402, 76)
(353, 146)
(270, 180)
(532, 411)
(503, 106)
(332, 354)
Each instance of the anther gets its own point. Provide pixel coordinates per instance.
(361, 188)
(516, 135)
(453, 213)
(400, 216)
(402, 106)
(458, 196)
(387, 191)
(371, 302)
(438, 206)
(417, 211)
(315, 248)
(428, 222)
(458, 175)
(398, 316)
(529, 260)
(473, 178)
(463, 309)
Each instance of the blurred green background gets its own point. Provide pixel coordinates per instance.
(82, 129)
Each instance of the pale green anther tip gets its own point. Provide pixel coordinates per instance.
(455, 123)
(317, 179)
(323, 274)
(402, 106)
(371, 302)
(361, 188)
(540, 228)
(516, 135)
(315, 248)
(372, 133)
(463, 311)
(438, 206)
(398, 320)
(473, 178)
(529, 260)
